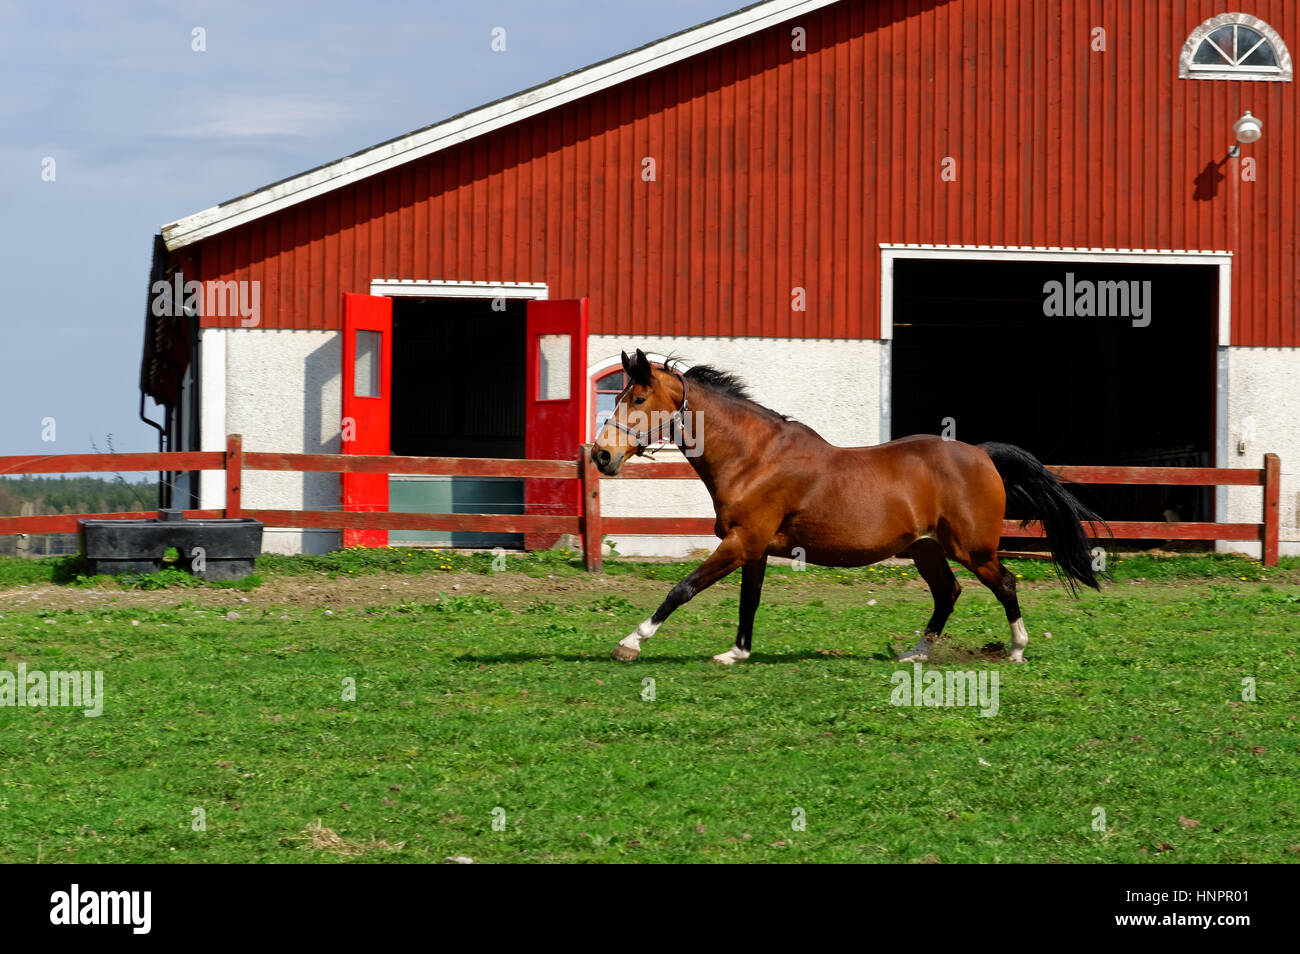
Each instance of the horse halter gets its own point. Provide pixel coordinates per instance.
(645, 438)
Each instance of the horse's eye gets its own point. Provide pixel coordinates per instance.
(638, 401)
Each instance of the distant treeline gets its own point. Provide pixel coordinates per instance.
(64, 494)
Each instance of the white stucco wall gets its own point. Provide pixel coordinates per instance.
(832, 386)
(1264, 384)
(283, 392)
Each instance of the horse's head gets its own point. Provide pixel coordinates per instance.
(644, 414)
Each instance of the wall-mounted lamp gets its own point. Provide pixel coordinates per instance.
(1248, 129)
(1247, 434)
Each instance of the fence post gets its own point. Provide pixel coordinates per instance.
(1272, 489)
(590, 523)
(234, 474)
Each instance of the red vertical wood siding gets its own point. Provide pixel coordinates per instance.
(777, 169)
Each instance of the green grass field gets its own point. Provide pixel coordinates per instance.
(489, 721)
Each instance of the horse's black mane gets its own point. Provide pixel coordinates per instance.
(719, 380)
(723, 382)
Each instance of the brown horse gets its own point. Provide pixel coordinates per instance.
(777, 486)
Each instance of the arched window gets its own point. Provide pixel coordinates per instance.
(608, 382)
(1235, 46)
(605, 389)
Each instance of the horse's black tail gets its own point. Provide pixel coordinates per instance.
(1034, 493)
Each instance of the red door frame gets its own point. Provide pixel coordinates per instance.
(366, 427)
(554, 428)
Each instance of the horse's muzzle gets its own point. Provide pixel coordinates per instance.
(605, 461)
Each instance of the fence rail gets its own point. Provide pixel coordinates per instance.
(589, 524)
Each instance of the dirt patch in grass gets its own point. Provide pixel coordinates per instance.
(513, 589)
(316, 837)
(946, 652)
(989, 652)
(335, 590)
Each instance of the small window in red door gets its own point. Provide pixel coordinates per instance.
(366, 376)
(554, 358)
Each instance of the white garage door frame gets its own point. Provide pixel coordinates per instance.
(890, 254)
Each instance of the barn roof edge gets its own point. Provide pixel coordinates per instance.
(476, 122)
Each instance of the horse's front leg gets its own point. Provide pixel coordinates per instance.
(731, 553)
(751, 591)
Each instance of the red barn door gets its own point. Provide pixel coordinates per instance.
(555, 404)
(367, 406)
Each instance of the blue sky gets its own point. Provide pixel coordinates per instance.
(143, 130)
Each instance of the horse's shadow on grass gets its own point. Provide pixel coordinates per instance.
(757, 659)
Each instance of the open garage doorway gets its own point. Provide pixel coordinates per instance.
(458, 391)
(1080, 362)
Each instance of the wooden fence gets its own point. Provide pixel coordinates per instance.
(589, 525)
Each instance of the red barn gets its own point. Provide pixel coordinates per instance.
(1048, 222)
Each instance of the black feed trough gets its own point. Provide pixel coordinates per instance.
(214, 549)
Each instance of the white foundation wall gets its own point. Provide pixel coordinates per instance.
(283, 393)
(1263, 384)
(282, 390)
(833, 386)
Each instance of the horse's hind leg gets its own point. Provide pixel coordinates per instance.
(932, 564)
(1002, 582)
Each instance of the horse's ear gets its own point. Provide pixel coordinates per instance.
(640, 371)
(627, 364)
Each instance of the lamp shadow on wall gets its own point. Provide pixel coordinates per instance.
(1207, 183)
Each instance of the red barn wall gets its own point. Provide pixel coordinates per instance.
(779, 169)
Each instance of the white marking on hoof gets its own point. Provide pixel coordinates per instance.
(732, 656)
(629, 647)
(1019, 640)
(918, 653)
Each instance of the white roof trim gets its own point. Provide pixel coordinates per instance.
(1052, 253)
(419, 288)
(431, 139)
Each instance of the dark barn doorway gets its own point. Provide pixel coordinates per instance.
(458, 391)
(972, 343)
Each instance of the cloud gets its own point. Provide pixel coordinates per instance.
(270, 116)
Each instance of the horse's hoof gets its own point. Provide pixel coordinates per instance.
(731, 657)
(914, 656)
(1015, 658)
(625, 653)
